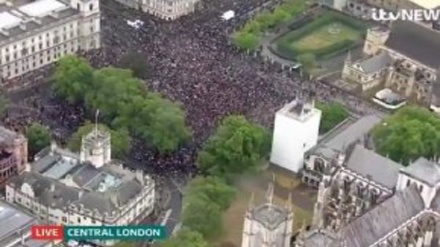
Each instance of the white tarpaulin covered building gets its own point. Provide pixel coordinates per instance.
(228, 15)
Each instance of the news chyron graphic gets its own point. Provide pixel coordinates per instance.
(90, 233)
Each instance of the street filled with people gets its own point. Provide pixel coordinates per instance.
(192, 61)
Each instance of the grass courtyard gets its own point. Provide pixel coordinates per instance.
(322, 37)
(326, 35)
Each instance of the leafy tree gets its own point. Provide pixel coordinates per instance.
(308, 60)
(236, 147)
(112, 87)
(279, 16)
(408, 134)
(215, 189)
(265, 20)
(72, 78)
(203, 216)
(136, 62)
(120, 139)
(186, 238)
(158, 121)
(38, 138)
(246, 41)
(332, 115)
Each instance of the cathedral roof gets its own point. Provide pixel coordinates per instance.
(336, 142)
(270, 215)
(367, 163)
(375, 63)
(424, 170)
(384, 218)
(415, 41)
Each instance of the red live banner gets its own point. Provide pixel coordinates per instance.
(47, 232)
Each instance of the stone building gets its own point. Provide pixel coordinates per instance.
(403, 58)
(268, 225)
(35, 33)
(165, 9)
(13, 154)
(89, 188)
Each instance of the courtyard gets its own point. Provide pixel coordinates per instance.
(326, 35)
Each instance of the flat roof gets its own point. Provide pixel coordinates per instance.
(42, 7)
(427, 4)
(8, 20)
(12, 220)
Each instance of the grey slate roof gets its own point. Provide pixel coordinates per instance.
(348, 136)
(270, 215)
(435, 204)
(12, 220)
(383, 218)
(370, 164)
(319, 238)
(424, 170)
(375, 63)
(417, 42)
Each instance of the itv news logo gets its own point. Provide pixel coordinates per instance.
(66, 233)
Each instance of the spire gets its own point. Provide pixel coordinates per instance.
(96, 121)
(348, 58)
(251, 201)
(269, 193)
(289, 203)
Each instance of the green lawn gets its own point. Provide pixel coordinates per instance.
(322, 37)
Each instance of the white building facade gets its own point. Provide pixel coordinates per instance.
(165, 9)
(37, 33)
(296, 131)
(61, 188)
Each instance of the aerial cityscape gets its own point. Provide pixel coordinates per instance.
(228, 123)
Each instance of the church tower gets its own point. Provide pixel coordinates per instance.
(296, 131)
(96, 146)
(268, 225)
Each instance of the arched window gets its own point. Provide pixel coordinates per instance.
(91, 6)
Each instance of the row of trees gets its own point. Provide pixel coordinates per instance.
(237, 147)
(248, 37)
(123, 101)
(410, 133)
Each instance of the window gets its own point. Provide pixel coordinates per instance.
(408, 183)
(77, 6)
(91, 7)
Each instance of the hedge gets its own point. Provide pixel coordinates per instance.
(285, 50)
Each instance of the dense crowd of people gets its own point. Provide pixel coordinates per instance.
(192, 61)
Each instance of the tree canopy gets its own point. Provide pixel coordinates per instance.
(123, 101)
(72, 78)
(236, 147)
(202, 215)
(248, 37)
(186, 238)
(38, 137)
(410, 133)
(120, 139)
(332, 115)
(214, 189)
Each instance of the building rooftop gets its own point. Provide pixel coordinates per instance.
(375, 63)
(416, 42)
(270, 215)
(369, 164)
(384, 218)
(7, 136)
(298, 109)
(14, 221)
(60, 180)
(19, 17)
(334, 144)
(424, 170)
